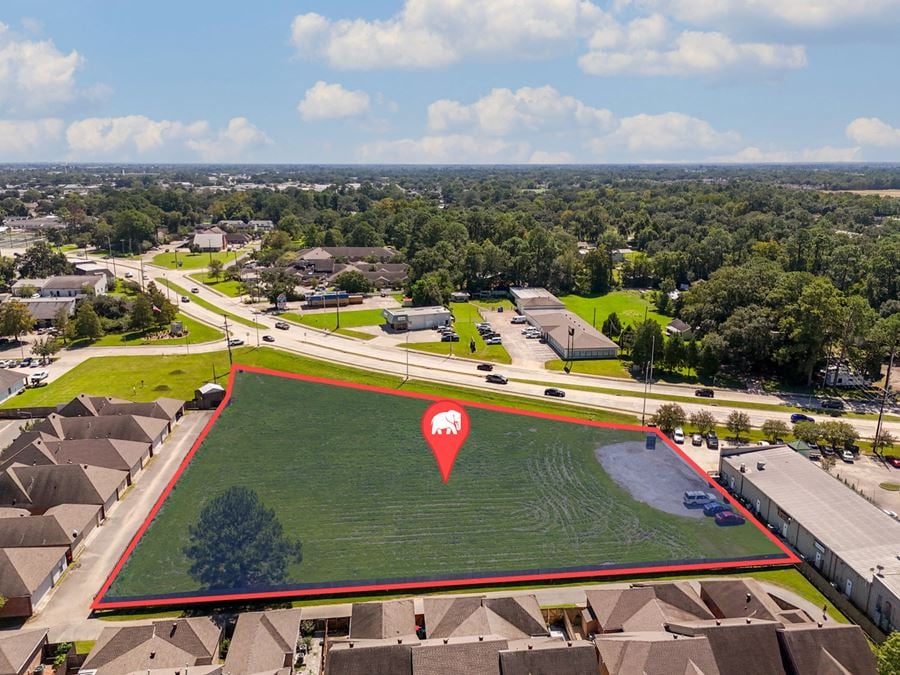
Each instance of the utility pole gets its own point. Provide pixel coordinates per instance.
(887, 389)
(337, 307)
(142, 273)
(109, 246)
(228, 341)
(406, 379)
(648, 374)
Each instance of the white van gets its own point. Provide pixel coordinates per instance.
(519, 319)
(696, 498)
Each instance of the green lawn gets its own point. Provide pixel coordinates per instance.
(601, 367)
(229, 287)
(196, 261)
(492, 304)
(551, 503)
(466, 315)
(628, 305)
(208, 305)
(350, 318)
(197, 332)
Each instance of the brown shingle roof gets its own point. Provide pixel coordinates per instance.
(458, 658)
(738, 598)
(509, 617)
(17, 647)
(552, 657)
(644, 608)
(74, 517)
(124, 427)
(164, 644)
(380, 620)
(656, 654)
(33, 531)
(23, 570)
(746, 646)
(379, 660)
(55, 484)
(110, 453)
(811, 650)
(263, 642)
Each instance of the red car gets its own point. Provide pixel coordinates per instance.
(729, 518)
(894, 462)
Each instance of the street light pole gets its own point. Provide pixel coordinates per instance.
(109, 246)
(648, 373)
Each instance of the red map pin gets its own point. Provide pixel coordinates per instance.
(445, 426)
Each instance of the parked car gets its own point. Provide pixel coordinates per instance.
(496, 379)
(494, 341)
(282, 325)
(678, 435)
(553, 391)
(185, 298)
(712, 441)
(705, 392)
(725, 518)
(828, 450)
(847, 456)
(894, 462)
(3, 363)
(712, 508)
(697, 440)
(268, 338)
(128, 275)
(519, 319)
(697, 498)
(24, 363)
(235, 342)
(39, 376)
(449, 337)
(195, 290)
(800, 417)
(832, 404)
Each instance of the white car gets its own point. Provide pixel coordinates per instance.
(39, 376)
(235, 342)
(678, 435)
(494, 341)
(518, 319)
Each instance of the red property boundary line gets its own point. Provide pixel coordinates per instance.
(98, 603)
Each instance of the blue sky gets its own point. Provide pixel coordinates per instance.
(450, 81)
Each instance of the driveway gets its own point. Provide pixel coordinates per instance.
(866, 473)
(66, 607)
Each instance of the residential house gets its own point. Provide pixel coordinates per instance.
(508, 617)
(212, 239)
(748, 646)
(658, 652)
(45, 310)
(641, 608)
(261, 225)
(172, 643)
(737, 598)
(26, 574)
(263, 642)
(237, 239)
(11, 383)
(549, 657)
(20, 651)
(813, 649)
(383, 620)
(93, 268)
(380, 275)
(322, 259)
(169, 409)
(123, 427)
(77, 520)
(67, 286)
(678, 327)
(42, 487)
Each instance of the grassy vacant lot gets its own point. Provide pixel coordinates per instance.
(350, 318)
(197, 332)
(229, 287)
(466, 315)
(551, 504)
(207, 305)
(628, 305)
(602, 367)
(196, 261)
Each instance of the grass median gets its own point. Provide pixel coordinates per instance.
(208, 305)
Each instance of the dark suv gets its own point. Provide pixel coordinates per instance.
(496, 379)
(705, 392)
(832, 404)
(712, 441)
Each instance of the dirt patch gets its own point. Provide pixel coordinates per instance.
(657, 477)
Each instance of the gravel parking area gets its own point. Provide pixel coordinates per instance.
(866, 473)
(655, 477)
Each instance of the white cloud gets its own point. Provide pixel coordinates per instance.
(34, 74)
(325, 101)
(642, 48)
(25, 138)
(871, 131)
(803, 14)
(434, 33)
(504, 111)
(137, 136)
(754, 155)
(236, 142)
(450, 149)
(543, 157)
(643, 137)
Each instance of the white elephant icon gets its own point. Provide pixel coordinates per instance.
(448, 422)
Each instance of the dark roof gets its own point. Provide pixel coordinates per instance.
(10, 378)
(552, 657)
(746, 646)
(509, 617)
(379, 660)
(644, 608)
(111, 453)
(472, 657)
(124, 427)
(812, 650)
(738, 598)
(33, 531)
(17, 647)
(71, 281)
(380, 620)
(54, 484)
(263, 641)
(653, 653)
(679, 325)
(164, 644)
(23, 570)
(46, 309)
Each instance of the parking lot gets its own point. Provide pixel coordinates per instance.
(529, 353)
(866, 474)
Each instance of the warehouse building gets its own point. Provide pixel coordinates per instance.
(417, 318)
(850, 541)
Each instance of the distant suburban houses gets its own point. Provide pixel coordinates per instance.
(61, 478)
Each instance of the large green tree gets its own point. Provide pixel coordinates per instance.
(141, 313)
(888, 655)
(669, 416)
(15, 318)
(738, 423)
(87, 324)
(40, 261)
(434, 288)
(352, 281)
(238, 543)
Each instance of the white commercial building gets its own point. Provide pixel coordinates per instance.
(417, 318)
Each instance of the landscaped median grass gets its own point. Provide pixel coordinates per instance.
(600, 367)
(196, 261)
(208, 305)
(466, 315)
(229, 287)
(354, 318)
(179, 375)
(197, 332)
